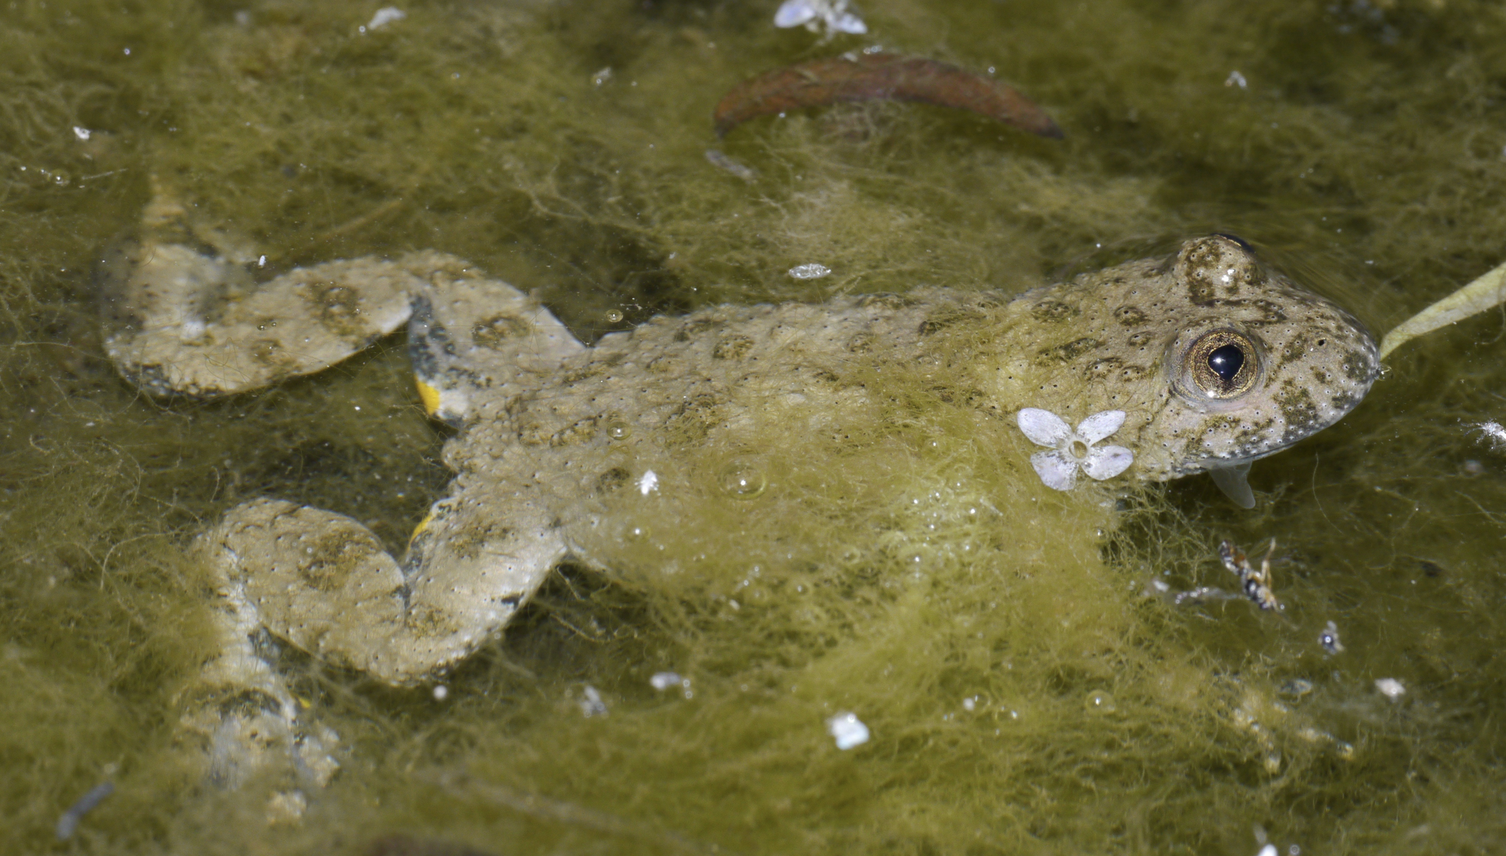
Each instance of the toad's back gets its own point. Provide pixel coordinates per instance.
(1214, 360)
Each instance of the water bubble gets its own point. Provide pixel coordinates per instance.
(1100, 702)
(614, 316)
(617, 429)
(742, 478)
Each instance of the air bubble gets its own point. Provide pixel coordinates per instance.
(1100, 702)
(742, 478)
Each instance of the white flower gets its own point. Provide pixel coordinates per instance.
(1073, 449)
(833, 13)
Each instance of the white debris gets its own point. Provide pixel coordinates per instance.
(68, 823)
(737, 168)
(1492, 433)
(591, 703)
(83, 134)
(1391, 688)
(662, 681)
(848, 730)
(1268, 850)
(383, 17)
(811, 14)
(1329, 639)
(810, 271)
(602, 76)
(1236, 79)
(648, 483)
(441, 692)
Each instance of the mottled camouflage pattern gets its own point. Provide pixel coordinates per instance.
(552, 431)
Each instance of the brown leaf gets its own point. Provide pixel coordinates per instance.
(865, 77)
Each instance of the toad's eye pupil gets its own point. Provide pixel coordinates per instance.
(1226, 362)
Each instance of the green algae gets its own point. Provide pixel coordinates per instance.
(1024, 693)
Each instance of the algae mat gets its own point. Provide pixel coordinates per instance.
(1028, 687)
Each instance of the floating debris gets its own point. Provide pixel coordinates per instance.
(1492, 433)
(1256, 584)
(721, 161)
(662, 681)
(879, 76)
(811, 14)
(809, 271)
(648, 483)
(1329, 639)
(1236, 79)
(68, 823)
(848, 730)
(1486, 292)
(383, 17)
(591, 703)
(1391, 688)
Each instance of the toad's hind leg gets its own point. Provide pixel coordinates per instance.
(474, 340)
(182, 315)
(323, 582)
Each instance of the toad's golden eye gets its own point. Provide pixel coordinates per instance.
(1222, 364)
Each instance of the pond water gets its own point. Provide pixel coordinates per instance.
(1029, 682)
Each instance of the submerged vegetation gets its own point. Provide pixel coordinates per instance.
(1028, 685)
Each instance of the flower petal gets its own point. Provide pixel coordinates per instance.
(847, 22)
(793, 13)
(1043, 427)
(1057, 471)
(1100, 425)
(1105, 462)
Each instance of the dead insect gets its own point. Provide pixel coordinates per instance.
(1256, 584)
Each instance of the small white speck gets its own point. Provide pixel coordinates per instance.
(648, 483)
(81, 133)
(1268, 850)
(809, 271)
(261, 261)
(1236, 79)
(441, 692)
(1391, 688)
(848, 730)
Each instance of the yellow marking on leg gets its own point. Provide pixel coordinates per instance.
(429, 395)
(422, 524)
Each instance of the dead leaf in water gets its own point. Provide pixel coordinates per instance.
(879, 76)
